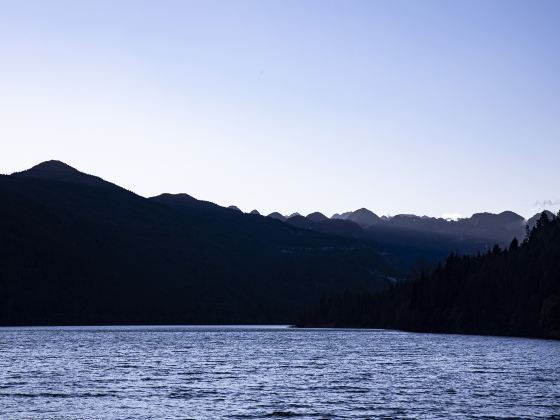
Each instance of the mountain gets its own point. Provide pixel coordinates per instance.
(501, 227)
(486, 227)
(183, 200)
(501, 292)
(363, 217)
(317, 217)
(489, 220)
(278, 216)
(532, 222)
(300, 222)
(337, 227)
(412, 241)
(55, 170)
(256, 212)
(76, 249)
(405, 249)
(344, 228)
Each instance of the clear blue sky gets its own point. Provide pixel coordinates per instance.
(426, 107)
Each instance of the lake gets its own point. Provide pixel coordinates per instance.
(272, 372)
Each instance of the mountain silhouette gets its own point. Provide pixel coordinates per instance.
(494, 227)
(55, 170)
(363, 217)
(532, 222)
(411, 241)
(515, 291)
(76, 249)
(317, 217)
(278, 216)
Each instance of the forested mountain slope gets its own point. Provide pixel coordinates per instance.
(502, 292)
(75, 249)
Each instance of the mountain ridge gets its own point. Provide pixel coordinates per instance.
(513, 291)
(77, 249)
(75, 253)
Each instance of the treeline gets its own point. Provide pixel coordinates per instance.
(515, 292)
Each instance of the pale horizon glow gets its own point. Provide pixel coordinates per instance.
(429, 108)
(452, 216)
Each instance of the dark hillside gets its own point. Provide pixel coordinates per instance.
(502, 292)
(75, 249)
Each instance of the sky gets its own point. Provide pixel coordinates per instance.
(425, 107)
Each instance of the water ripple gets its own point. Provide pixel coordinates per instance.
(248, 373)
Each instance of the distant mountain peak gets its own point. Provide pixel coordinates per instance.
(255, 212)
(276, 215)
(56, 170)
(363, 217)
(317, 217)
(512, 215)
(532, 222)
(505, 217)
(51, 166)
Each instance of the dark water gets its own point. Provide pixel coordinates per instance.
(244, 372)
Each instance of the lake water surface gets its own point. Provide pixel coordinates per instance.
(266, 372)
